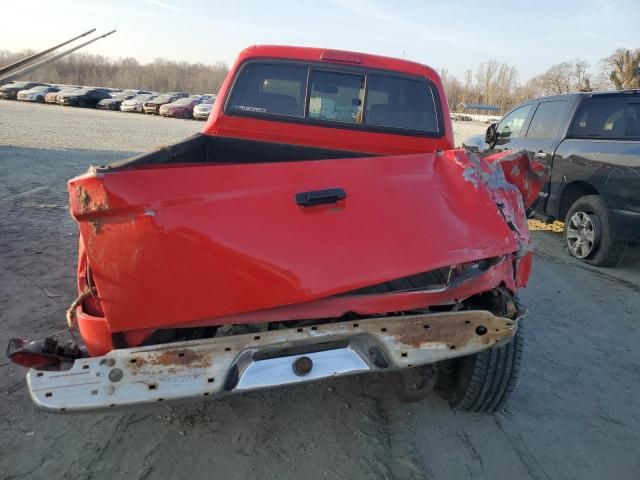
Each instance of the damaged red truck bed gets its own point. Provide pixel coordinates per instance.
(321, 224)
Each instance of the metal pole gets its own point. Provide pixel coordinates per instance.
(35, 56)
(46, 61)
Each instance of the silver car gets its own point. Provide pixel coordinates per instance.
(202, 111)
(135, 104)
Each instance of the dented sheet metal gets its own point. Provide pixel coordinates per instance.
(239, 363)
(202, 243)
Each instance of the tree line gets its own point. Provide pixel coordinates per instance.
(495, 83)
(160, 75)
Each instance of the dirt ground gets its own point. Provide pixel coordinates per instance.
(574, 415)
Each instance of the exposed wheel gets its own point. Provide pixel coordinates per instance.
(39, 99)
(186, 114)
(82, 103)
(587, 233)
(483, 382)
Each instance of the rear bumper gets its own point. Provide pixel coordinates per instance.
(625, 224)
(240, 363)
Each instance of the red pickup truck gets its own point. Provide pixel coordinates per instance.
(320, 225)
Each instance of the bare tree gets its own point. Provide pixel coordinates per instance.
(452, 87)
(486, 80)
(564, 77)
(558, 79)
(623, 67)
(506, 80)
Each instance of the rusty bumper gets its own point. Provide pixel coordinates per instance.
(239, 363)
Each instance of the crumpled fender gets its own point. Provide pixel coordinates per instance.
(514, 179)
(527, 174)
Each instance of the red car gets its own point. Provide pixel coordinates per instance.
(182, 108)
(320, 225)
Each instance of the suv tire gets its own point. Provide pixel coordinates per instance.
(587, 233)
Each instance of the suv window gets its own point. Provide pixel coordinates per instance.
(511, 125)
(274, 89)
(608, 117)
(324, 94)
(400, 103)
(546, 119)
(336, 96)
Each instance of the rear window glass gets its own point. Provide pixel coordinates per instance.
(336, 96)
(273, 89)
(323, 94)
(608, 117)
(400, 103)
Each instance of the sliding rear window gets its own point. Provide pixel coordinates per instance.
(270, 89)
(342, 97)
(400, 103)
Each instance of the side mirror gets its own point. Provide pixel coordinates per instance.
(492, 134)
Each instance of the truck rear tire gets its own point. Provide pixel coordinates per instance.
(483, 382)
(587, 233)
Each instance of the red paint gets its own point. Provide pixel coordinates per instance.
(328, 137)
(210, 244)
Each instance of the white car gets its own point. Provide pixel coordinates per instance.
(36, 94)
(202, 110)
(135, 104)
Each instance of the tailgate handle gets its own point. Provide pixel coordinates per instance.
(319, 197)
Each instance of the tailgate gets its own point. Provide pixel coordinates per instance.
(175, 244)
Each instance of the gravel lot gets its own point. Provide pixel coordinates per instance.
(574, 415)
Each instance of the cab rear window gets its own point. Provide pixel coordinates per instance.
(270, 89)
(358, 99)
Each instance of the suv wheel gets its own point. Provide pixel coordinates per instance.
(587, 233)
(483, 382)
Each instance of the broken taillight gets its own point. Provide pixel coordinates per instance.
(40, 353)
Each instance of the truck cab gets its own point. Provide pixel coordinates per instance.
(333, 99)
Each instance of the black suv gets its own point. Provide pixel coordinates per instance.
(590, 143)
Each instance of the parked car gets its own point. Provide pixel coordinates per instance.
(52, 97)
(590, 143)
(181, 108)
(305, 234)
(36, 94)
(114, 101)
(83, 97)
(136, 104)
(153, 106)
(202, 110)
(10, 90)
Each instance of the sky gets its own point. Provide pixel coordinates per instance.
(456, 35)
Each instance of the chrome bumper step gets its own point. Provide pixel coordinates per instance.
(240, 363)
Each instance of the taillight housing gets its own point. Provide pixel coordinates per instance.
(41, 354)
